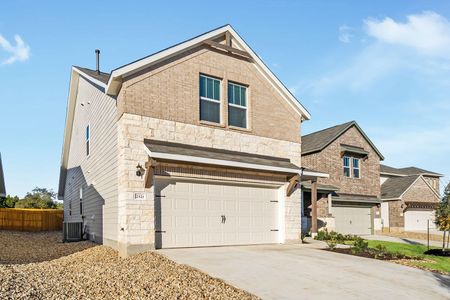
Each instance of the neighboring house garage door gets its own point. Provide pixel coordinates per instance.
(416, 219)
(352, 220)
(198, 213)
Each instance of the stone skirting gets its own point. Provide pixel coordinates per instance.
(136, 217)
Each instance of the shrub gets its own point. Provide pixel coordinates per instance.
(331, 243)
(381, 248)
(359, 246)
(322, 235)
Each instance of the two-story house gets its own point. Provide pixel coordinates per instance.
(348, 200)
(410, 196)
(196, 145)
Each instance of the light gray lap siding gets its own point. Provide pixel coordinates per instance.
(96, 173)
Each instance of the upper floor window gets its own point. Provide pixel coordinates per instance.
(88, 140)
(237, 105)
(346, 161)
(352, 167)
(355, 166)
(210, 99)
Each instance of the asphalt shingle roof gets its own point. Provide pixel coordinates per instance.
(102, 76)
(406, 171)
(213, 153)
(318, 140)
(394, 187)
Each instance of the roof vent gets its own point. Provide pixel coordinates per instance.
(97, 58)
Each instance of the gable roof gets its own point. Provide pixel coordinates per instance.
(100, 76)
(407, 171)
(319, 140)
(394, 187)
(115, 81)
(2, 180)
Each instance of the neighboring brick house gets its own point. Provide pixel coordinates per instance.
(195, 145)
(2, 180)
(349, 200)
(409, 198)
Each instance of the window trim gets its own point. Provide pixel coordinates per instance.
(344, 166)
(353, 167)
(211, 100)
(87, 140)
(247, 101)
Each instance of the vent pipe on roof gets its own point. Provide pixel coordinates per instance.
(97, 58)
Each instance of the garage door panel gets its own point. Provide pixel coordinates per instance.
(417, 219)
(199, 203)
(353, 220)
(193, 218)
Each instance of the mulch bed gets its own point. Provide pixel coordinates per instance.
(438, 252)
(370, 254)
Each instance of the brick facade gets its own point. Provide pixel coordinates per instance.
(420, 192)
(433, 182)
(329, 160)
(171, 92)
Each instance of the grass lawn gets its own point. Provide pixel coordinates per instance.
(431, 262)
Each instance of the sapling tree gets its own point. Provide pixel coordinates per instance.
(442, 219)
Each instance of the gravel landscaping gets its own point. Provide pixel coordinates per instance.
(88, 271)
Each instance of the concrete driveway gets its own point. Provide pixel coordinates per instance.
(301, 272)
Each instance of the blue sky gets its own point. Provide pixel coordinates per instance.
(385, 64)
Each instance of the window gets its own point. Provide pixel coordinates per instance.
(210, 99)
(237, 105)
(355, 165)
(81, 201)
(346, 166)
(88, 140)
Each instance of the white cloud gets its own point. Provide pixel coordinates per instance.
(19, 52)
(345, 34)
(420, 46)
(428, 32)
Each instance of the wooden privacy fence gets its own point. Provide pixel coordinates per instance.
(31, 219)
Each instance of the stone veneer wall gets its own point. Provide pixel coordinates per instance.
(136, 217)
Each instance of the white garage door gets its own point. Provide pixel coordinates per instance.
(416, 219)
(353, 220)
(192, 214)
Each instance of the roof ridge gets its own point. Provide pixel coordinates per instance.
(349, 123)
(92, 70)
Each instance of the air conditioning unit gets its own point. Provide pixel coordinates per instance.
(73, 231)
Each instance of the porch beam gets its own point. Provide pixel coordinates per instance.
(314, 207)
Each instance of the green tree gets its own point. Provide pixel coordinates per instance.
(442, 219)
(38, 198)
(8, 201)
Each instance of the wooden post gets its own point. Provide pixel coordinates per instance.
(314, 207)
